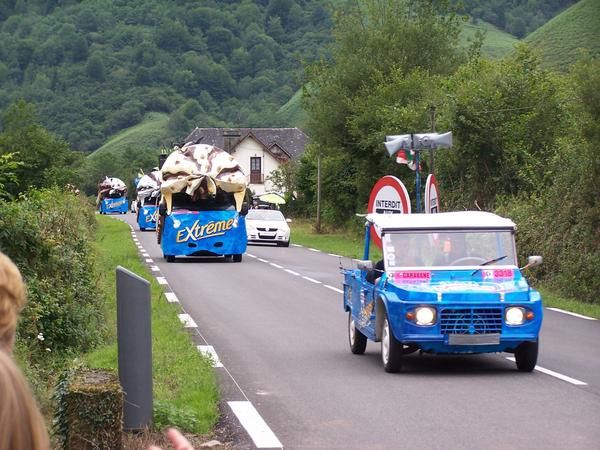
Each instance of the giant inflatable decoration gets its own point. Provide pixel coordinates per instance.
(112, 196)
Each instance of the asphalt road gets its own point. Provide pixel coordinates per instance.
(278, 326)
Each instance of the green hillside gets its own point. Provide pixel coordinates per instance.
(497, 43)
(127, 152)
(558, 41)
(292, 112)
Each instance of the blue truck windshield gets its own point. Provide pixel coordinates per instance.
(450, 248)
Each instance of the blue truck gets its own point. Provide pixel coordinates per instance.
(147, 211)
(447, 283)
(118, 205)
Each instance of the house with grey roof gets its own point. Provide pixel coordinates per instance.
(259, 151)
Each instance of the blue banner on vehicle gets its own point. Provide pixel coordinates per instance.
(147, 217)
(114, 206)
(194, 232)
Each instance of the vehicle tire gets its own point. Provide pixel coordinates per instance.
(391, 349)
(357, 340)
(237, 258)
(283, 244)
(170, 258)
(142, 229)
(526, 356)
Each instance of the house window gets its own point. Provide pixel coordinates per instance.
(255, 170)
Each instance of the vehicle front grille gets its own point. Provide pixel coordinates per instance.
(471, 320)
(267, 229)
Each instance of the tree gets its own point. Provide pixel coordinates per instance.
(95, 68)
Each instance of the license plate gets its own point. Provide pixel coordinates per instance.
(473, 339)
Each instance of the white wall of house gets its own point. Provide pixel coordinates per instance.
(249, 148)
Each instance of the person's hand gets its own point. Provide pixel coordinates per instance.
(177, 439)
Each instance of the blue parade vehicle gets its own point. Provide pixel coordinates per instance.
(209, 227)
(118, 205)
(112, 196)
(147, 211)
(448, 283)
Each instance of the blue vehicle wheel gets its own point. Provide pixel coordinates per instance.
(357, 340)
(237, 258)
(170, 258)
(391, 349)
(526, 356)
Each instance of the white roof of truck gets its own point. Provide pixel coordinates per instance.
(441, 221)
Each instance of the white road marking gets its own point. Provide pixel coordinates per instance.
(161, 280)
(314, 250)
(154, 268)
(187, 321)
(312, 280)
(333, 288)
(296, 245)
(209, 352)
(149, 260)
(251, 256)
(276, 265)
(171, 297)
(263, 260)
(145, 255)
(572, 314)
(552, 373)
(334, 255)
(292, 272)
(257, 428)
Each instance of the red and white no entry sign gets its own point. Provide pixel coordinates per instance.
(388, 196)
(432, 202)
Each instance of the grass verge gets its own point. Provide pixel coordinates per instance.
(351, 245)
(185, 387)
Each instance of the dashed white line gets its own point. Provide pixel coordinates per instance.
(251, 256)
(314, 250)
(333, 288)
(292, 272)
(312, 280)
(263, 260)
(209, 352)
(149, 260)
(552, 373)
(161, 280)
(187, 321)
(257, 428)
(334, 255)
(154, 268)
(277, 266)
(296, 245)
(145, 255)
(171, 297)
(572, 313)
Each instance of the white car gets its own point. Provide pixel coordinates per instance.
(268, 225)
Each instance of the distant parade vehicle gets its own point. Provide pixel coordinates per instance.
(148, 195)
(448, 283)
(112, 197)
(202, 208)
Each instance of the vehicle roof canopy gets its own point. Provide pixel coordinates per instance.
(440, 221)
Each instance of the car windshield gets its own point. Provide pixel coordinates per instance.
(265, 214)
(449, 248)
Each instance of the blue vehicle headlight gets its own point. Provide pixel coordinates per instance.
(517, 315)
(422, 315)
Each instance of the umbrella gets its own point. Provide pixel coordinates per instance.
(272, 197)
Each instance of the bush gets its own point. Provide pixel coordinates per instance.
(47, 233)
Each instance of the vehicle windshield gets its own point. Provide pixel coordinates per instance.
(265, 214)
(450, 248)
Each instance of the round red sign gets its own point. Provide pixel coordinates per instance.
(388, 196)
(432, 202)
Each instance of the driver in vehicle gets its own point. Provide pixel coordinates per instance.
(453, 247)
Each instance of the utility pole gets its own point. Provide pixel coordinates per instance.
(432, 113)
(318, 225)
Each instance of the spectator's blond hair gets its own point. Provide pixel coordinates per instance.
(12, 300)
(22, 426)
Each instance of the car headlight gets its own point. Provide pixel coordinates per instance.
(423, 315)
(515, 315)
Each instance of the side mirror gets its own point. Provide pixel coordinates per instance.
(532, 261)
(288, 220)
(364, 264)
(244, 209)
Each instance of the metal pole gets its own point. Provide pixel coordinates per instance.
(318, 226)
(431, 151)
(134, 337)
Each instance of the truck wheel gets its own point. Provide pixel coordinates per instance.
(170, 258)
(237, 258)
(526, 356)
(391, 349)
(357, 340)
